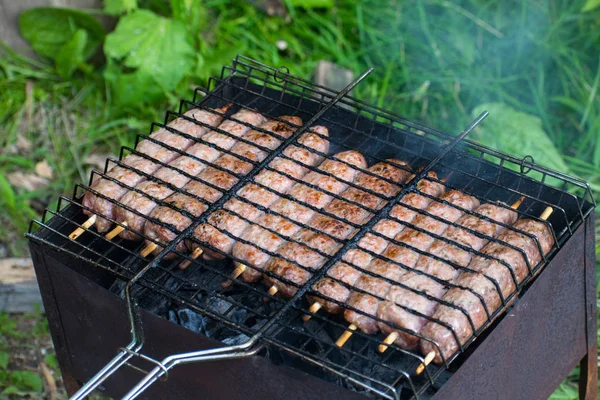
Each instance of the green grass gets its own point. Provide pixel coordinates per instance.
(435, 61)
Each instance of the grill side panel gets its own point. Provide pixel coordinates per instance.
(539, 341)
(89, 324)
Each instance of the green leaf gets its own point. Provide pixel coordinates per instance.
(12, 390)
(153, 46)
(7, 194)
(27, 380)
(3, 359)
(590, 5)
(519, 134)
(311, 3)
(49, 29)
(190, 12)
(71, 54)
(131, 88)
(118, 7)
(51, 361)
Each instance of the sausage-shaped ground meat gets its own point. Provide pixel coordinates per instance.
(128, 178)
(223, 228)
(223, 178)
(148, 193)
(331, 228)
(411, 295)
(376, 288)
(331, 176)
(342, 275)
(479, 281)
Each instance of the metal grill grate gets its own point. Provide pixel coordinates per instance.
(239, 310)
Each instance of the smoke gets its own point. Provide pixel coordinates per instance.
(464, 53)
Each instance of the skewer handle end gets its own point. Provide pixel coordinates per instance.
(391, 338)
(426, 361)
(547, 212)
(346, 335)
(273, 290)
(148, 249)
(239, 269)
(315, 307)
(118, 229)
(195, 254)
(86, 225)
(517, 203)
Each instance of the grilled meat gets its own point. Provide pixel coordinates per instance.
(343, 274)
(223, 228)
(332, 176)
(126, 177)
(331, 228)
(498, 269)
(402, 258)
(415, 286)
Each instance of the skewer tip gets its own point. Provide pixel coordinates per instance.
(86, 225)
(447, 177)
(426, 361)
(547, 212)
(518, 203)
(315, 307)
(239, 269)
(346, 335)
(391, 338)
(118, 229)
(148, 249)
(195, 254)
(273, 290)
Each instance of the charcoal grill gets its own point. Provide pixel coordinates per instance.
(134, 326)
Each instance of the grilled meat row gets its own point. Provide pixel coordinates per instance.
(430, 283)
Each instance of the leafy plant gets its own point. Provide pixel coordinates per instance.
(118, 7)
(4, 357)
(590, 5)
(22, 383)
(156, 50)
(58, 33)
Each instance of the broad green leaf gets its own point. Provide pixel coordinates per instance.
(518, 134)
(118, 7)
(590, 5)
(26, 380)
(190, 12)
(153, 45)
(131, 88)
(71, 54)
(3, 359)
(49, 29)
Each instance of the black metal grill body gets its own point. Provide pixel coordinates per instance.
(76, 305)
(526, 355)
